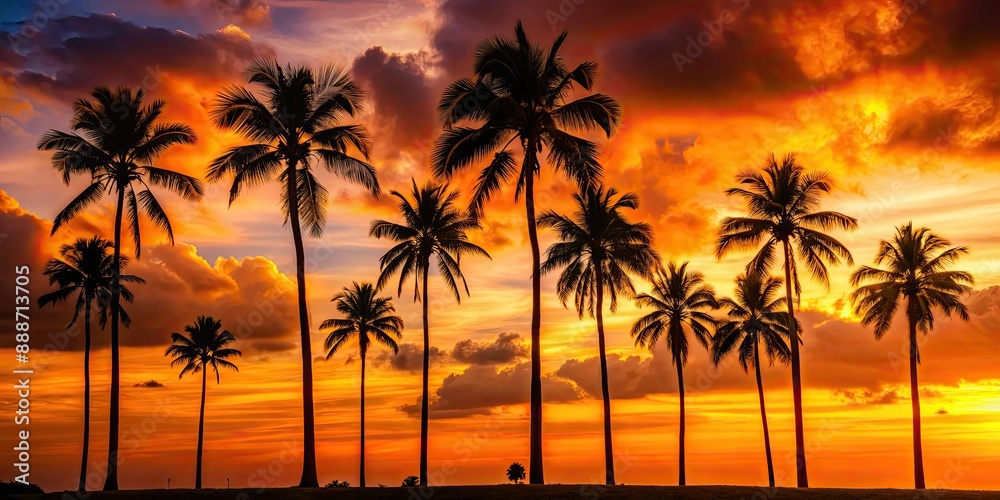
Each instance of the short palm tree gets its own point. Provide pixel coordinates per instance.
(755, 318)
(679, 299)
(432, 227)
(85, 271)
(783, 216)
(367, 317)
(117, 137)
(204, 347)
(519, 94)
(293, 121)
(916, 278)
(598, 251)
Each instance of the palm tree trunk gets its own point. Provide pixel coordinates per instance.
(609, 456)
(763, 414)
(918, 447)
(111, 481)
(424, 409)
(86, 397)
(201, 428)
(309, 479)
(681, 479)
(535, 471)
(362, 465)
(800, 442)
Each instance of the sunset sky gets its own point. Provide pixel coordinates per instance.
(898, 99)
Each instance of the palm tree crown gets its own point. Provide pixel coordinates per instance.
(119, 139)
(599, 236)
(783, 202)
(520, 94)
(204, 347)
(915, 269)
(85, 270)
(366, 317)
(755, 318)
(433, 227)
(679, 299)
(294, 121)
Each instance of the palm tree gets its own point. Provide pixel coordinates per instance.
(85, 270)
(519, 94)
(598, 250)
(297, 123)
(916, 262)
(365, 316)
(783, 202)
(203, 347)
(679, 298)
(432, 227)
(119, 140)
(755, 318)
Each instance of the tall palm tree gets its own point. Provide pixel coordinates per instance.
(755, 318)
(783, 213)
(916, 261)
(432, 227)
(85, 271)
(365, 316)
(598, 250)
(680, 299)
(520, 94)
(292, 121)
(116, 139)
(204, 347)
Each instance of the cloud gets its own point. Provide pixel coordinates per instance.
(868, 397)
(252, 298)
(410, 358)
(71, 55)
(149, 384)
(506, 348)
(481, 388)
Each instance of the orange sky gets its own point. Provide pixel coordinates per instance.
(899, 104)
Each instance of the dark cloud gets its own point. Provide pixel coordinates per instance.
(150, 384)
(506, 348)
(629, 377)
(403, 99)
(410, 358)
(481, 388)
(869, 397)
(244, 12)
(71, 55)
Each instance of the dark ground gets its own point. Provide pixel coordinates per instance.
(518, 492)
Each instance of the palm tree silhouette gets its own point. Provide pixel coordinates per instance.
(916, 261)
(433, 227)
(204, 347)
(755, 318)
(297, 123)
(679, 298)
(782, 202)
(365, 315)
(519, 93)
(598, 250)
(119, 140)
(85, 270)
